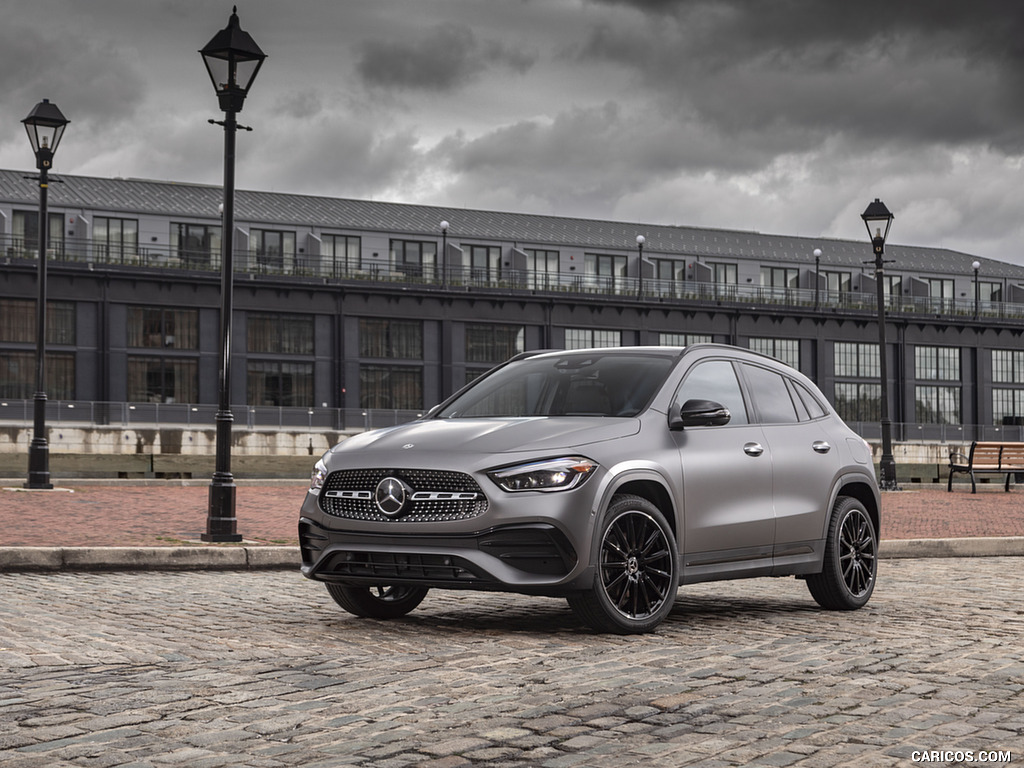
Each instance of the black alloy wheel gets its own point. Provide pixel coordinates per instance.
(637, 570)
(851, 559)
(378, 602)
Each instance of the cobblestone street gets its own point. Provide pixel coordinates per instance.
(261, 669)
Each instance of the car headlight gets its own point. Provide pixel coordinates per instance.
(316, 479)
(550, 475)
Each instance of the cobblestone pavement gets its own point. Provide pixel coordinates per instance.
(171, 515)
(261, 669)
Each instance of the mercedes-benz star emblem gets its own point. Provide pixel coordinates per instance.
(390, 496)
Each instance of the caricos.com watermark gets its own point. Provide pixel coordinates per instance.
(961, 756)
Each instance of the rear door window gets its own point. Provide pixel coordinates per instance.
(771, 396)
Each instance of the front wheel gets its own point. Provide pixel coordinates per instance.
(383, 602)
(637, 570)
(847, 578)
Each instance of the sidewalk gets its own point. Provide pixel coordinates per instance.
(172, 514)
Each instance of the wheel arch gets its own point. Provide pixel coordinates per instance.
(865, 493)
(653, 489)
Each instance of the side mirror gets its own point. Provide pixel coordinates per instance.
(698, 413)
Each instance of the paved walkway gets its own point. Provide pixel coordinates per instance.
(171, 514)
(261, 669)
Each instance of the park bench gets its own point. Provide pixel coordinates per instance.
(987, 458)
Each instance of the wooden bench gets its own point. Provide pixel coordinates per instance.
(987, 458)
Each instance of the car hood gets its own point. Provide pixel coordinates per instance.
(489, 436)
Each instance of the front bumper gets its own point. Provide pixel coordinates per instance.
(531, 558)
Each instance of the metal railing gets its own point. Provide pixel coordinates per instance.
(86, 414)
(468, 278)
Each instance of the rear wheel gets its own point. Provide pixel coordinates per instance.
(851, 559)
(637, 570)
(380, 602)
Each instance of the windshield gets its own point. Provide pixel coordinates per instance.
(572, 384)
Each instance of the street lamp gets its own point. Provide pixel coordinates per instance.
(232, 59)
(817, 279)
(444, 254)
(45, 125)
(640, 240)
(977, 289)
(875, 216)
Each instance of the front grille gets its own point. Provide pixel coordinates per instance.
(435, 495)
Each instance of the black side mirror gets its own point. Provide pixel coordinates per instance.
(698, 413)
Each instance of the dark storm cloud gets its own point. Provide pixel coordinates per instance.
(876, 71)
(92, 84)
(443, 59)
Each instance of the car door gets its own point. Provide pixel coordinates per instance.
(728, 521)
(805, 460)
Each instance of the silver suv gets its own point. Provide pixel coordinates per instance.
(605, 476)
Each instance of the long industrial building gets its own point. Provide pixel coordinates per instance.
(354, 312)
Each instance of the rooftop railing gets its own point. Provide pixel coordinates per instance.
(468, 278)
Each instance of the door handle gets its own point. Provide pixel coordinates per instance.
(820, 446)
(753, 449)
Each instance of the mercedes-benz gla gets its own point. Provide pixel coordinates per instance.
(609, 477)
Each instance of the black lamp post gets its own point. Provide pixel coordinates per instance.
(232, 58)
(875, 216)
(45, 125)
(444, 254)
(817, 279)
(977, 290)
(640, 240)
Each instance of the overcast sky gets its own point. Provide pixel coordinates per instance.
(781, 116)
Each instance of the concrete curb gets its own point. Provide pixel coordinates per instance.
(980, 546)
(53, 559)
(15, 559)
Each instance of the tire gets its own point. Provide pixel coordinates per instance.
(637, 570)
(382, 602)
(850, 568)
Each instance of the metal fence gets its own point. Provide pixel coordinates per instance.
(85, 413)
(448, 277)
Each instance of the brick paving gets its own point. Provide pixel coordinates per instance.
(171, 514)
(261, 669)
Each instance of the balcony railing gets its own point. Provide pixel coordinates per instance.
(469, 278)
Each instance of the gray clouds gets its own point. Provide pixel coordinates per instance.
(784, 116)
(444, 58)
